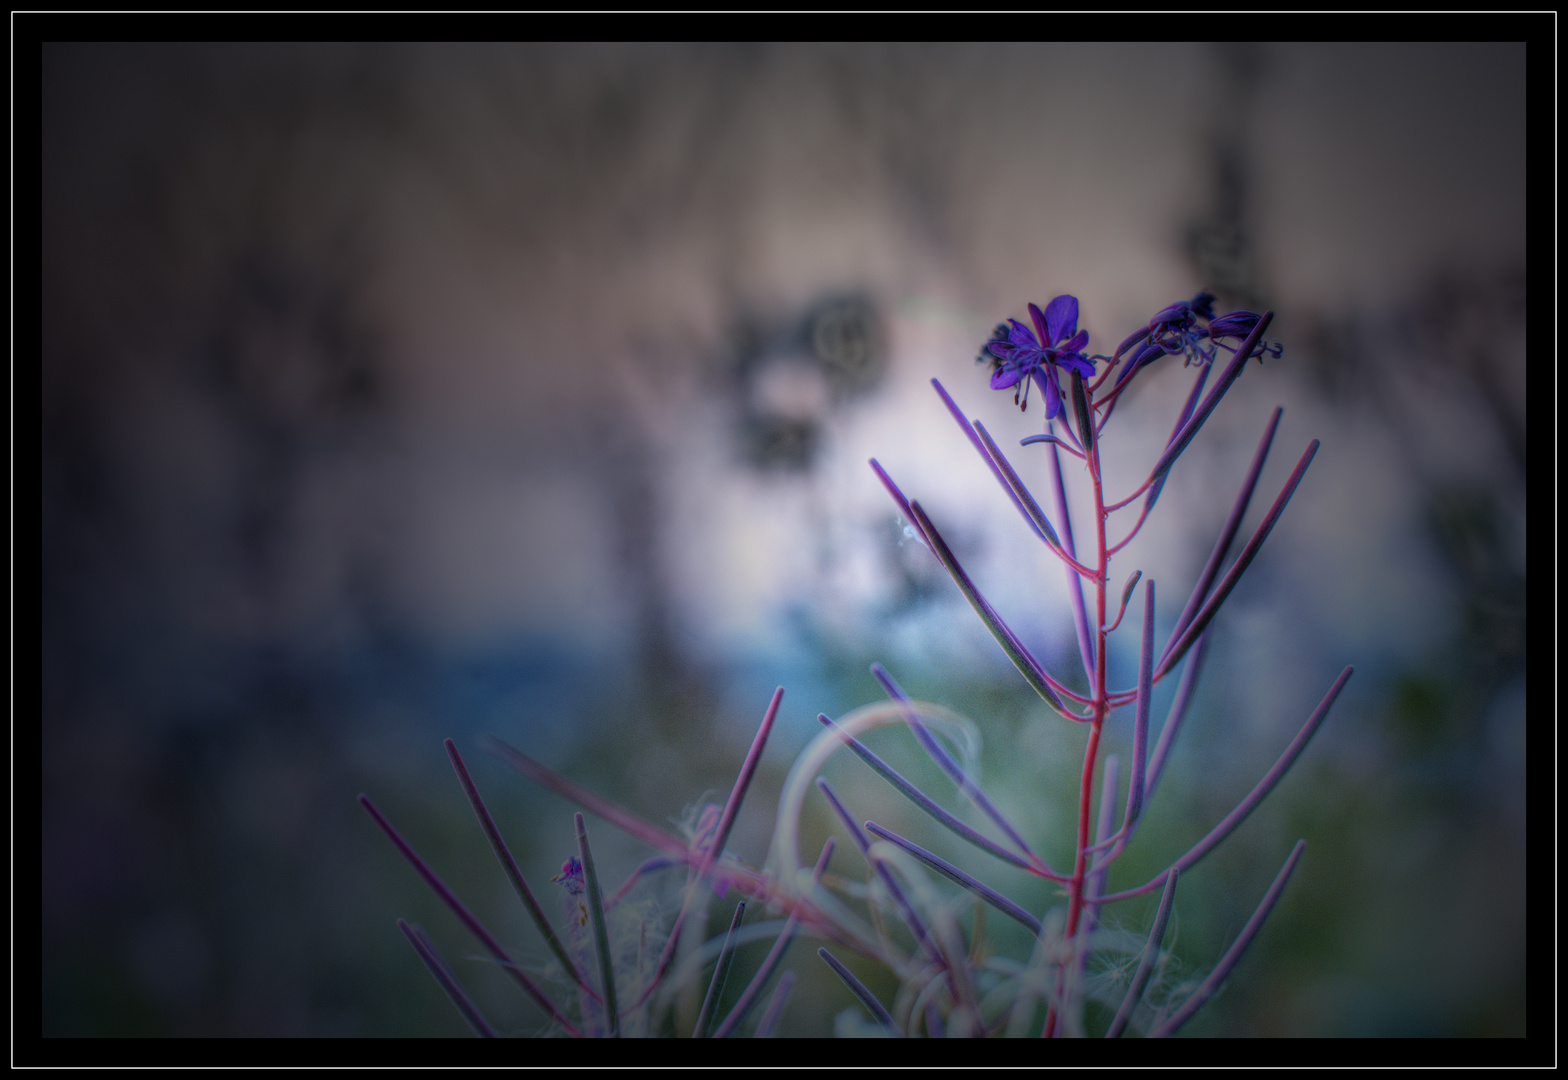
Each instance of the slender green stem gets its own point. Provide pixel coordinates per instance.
(465, 1005)
(858, 988)
(601, 933)
(509, 864)
(721, 972)
(775, 1009)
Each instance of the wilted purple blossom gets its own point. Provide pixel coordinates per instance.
(1189, 329)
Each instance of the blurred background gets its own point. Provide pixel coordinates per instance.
(396, 393)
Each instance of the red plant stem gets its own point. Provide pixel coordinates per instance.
(1102, 705)
(1141, 488)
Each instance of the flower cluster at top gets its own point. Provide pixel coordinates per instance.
(1188, 328)
(1176, 330)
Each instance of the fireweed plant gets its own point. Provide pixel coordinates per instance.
(621, 963)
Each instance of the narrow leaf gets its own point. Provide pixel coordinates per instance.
(898, 497)
(1200, 591)
(504, 855)
(867, 998)
(1132, 583)
(1178, 712)
(941, 865)
(1081, 412)
(748, 880)
(695, 889)
(623, 819)
(1030, 440)
(1150, 488)
(1140, 730)
(1022, 659)
(721, 972)
(1015, 487)
(1041, 527)
(1151, 953)
(946, 763)
(427, 953)
(1254, 797)
(930, 806)
(748, 770)
(1109, 782)
(1232, 373)
(1025, 501)
(1204, 370)
(601, 933)
(466, 917)
(906, 910)
(770, 964)
(1201, 620)
(770, 1018)
(1227, 962)
(1186, 413)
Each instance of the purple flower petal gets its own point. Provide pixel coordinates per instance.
(1041, 328)
(1053, 396)
(1237, 324)
(1005, 377)
(1061, 317)
(1081, 364)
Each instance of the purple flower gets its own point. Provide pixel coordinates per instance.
(1238, 324)
(1055, 342)
(571, 877)
(1176, 330)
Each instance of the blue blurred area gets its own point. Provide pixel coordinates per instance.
(397, 393)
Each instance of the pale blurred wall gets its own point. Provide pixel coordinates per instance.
(392, 393)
